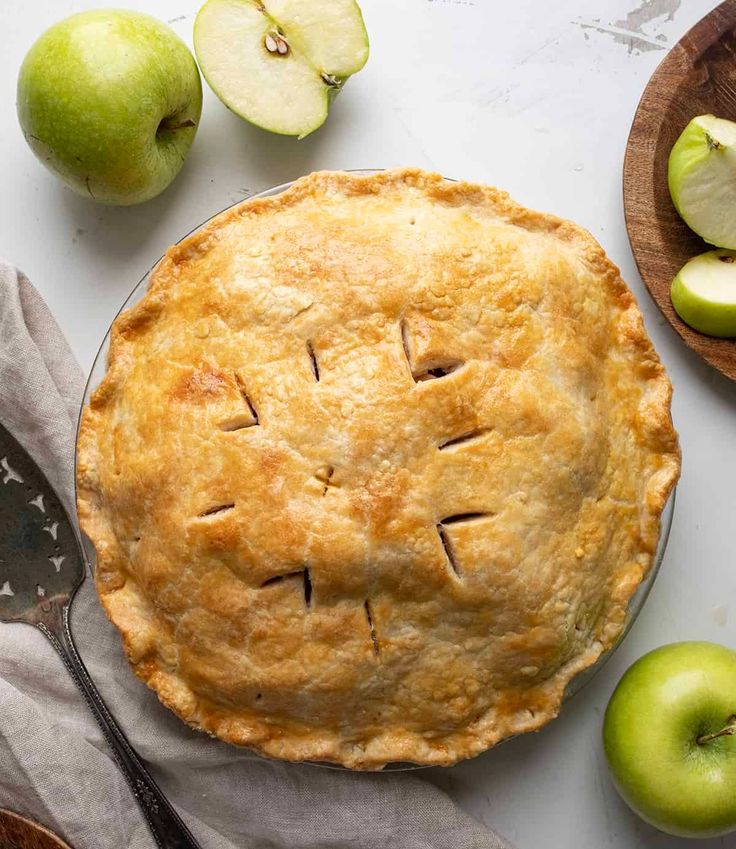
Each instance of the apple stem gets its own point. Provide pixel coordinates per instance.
(727, 731)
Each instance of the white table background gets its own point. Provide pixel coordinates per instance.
(535, 97)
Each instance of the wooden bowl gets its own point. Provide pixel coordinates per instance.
(17, 832)
(697, 76)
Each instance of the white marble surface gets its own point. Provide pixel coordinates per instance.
(532, 96)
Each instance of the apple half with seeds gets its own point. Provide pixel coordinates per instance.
(704, 293)
(702, 179)
(279, 63)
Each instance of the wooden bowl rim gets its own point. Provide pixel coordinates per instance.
(33, 828)
(719, 353)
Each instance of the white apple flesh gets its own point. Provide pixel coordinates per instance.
(704, 293)
(669, 738)
(278, 63)
(702, 179)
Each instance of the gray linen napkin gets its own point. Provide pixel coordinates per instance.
(54, 763)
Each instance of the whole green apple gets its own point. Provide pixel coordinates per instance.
(668, 736)
(110, 101)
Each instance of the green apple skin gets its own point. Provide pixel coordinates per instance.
(663, 703)
(701, 175)
(110, 101)
(710, 307)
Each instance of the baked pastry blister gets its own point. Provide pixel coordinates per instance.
(375, 469)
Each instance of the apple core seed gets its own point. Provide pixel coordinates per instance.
(276, 43)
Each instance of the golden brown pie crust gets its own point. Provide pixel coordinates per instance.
(376, 466)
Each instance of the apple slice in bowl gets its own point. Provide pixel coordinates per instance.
(278, 63)
(704, 293)
(702, 178)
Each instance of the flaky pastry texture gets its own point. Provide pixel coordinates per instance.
(376, 466)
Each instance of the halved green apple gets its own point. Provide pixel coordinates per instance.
(702, 178)
(704, 293)
(278, 63)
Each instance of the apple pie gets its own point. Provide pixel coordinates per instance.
(376, 466)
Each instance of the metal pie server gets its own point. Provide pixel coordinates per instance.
(41, 568)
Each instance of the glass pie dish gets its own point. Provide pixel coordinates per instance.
(637, 601)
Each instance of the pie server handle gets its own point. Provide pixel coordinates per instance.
(166, 825)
